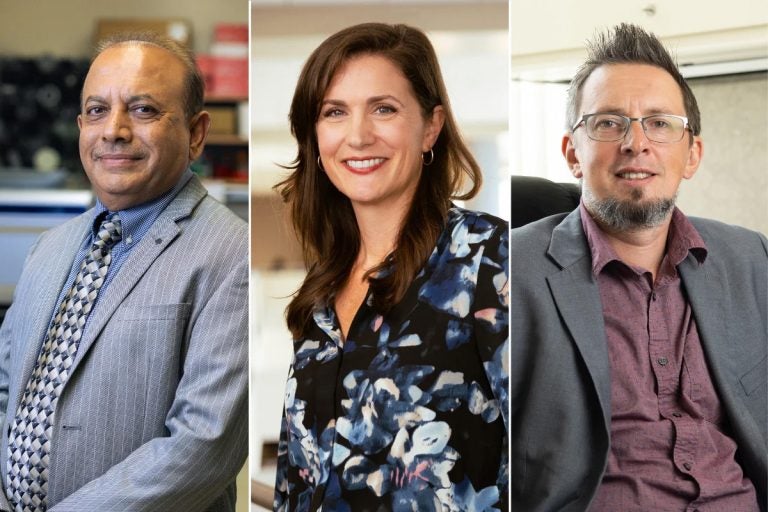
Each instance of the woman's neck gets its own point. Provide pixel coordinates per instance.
(379, 228)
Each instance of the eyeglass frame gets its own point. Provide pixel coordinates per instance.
(583, 121)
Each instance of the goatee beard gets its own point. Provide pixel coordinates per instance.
(632, 214)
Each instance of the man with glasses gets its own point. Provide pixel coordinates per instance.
(639, 335)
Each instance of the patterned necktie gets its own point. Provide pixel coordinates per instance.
(29, 440)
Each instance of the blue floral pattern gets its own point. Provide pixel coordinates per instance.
(410, 412)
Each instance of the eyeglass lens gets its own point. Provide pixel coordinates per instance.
(658, 128)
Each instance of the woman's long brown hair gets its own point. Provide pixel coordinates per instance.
(323, 217)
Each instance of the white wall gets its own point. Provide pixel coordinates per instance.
(548, 26)
(731, 184)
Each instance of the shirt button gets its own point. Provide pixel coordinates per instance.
(677, 415)
(687, 466)
(662, 361)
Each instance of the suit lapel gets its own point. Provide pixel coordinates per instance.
(54, 270)
(710, 296)
(162, 233)
(707, 293)
(577, 297)
(704, 290)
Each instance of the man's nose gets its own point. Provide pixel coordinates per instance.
(635, 140)
(117, 126)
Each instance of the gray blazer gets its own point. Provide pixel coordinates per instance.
(561, 390)
(154, 416)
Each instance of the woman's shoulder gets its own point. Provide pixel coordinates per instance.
(467, 232)
(464, 221)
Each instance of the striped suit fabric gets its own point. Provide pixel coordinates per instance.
(154, 416)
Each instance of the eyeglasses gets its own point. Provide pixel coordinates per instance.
(613, 127)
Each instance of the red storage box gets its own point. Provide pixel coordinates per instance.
(224, 76)
(231, 33)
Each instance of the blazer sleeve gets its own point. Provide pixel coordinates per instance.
(6, 339)
(207, 421)
(5, 355)
(5, 351)
(5, 362)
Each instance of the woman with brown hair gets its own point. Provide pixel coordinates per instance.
(397, 395)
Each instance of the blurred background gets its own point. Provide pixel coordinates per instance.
(44, 53)
(471, 40)
(723, 52)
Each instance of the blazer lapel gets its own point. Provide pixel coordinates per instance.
(707, 293)
(54, 272)
(575, 292)
(164, 230)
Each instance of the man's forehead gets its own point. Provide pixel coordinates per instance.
(139, 57)
(126, 64)
(611, 84)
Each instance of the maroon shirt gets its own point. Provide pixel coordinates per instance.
(669, 447)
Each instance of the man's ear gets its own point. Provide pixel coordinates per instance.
(695, 152)
(198, 131)
(571, 157)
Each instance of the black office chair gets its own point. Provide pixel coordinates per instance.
(535, 198)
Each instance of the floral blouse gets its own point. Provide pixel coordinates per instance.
(410, 412)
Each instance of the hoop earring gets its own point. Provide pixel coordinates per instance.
(431, 158)
(320, 164)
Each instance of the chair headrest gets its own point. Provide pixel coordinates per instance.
(534, 198)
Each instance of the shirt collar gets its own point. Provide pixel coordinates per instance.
(682, 238)
(135, 221)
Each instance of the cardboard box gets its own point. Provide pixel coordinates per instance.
(223, 119)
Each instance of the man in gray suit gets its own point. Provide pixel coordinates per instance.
(639, 335)
(123, 358)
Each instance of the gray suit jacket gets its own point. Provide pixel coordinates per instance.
(561, 390)
(154, 415)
